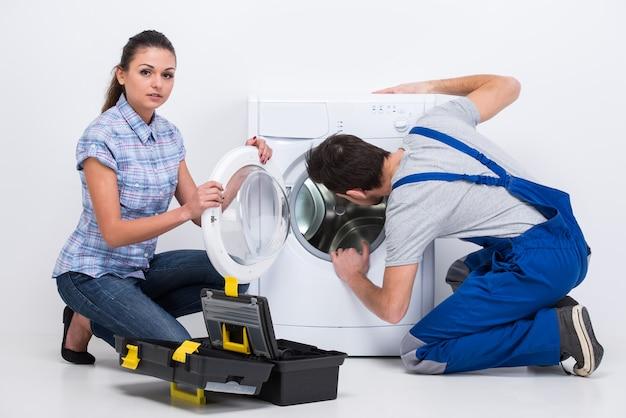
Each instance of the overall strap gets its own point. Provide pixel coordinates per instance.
(465, 149)
(414, 178)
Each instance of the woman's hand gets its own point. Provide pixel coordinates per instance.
(407, 88)
(207, 195)
(265, 152)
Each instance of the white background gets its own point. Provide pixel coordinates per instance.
(56, 58)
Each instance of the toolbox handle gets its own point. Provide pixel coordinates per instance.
(177, 394)
(227, 344)
(231, 286)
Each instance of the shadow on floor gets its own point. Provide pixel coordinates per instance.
(158, 391)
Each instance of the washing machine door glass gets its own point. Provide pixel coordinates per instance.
(247, 232)
(255, 216)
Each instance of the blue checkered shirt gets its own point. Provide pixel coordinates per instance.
(145, 159)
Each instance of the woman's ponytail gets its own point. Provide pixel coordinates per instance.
(113, 93)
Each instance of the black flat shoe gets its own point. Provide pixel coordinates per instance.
(76, 357)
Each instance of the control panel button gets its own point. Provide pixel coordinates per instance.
(401, 125)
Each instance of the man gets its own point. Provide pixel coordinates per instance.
(509, 306)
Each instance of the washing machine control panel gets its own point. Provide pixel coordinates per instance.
(368, 117)
(376, 120)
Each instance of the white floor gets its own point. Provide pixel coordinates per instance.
(37, 382)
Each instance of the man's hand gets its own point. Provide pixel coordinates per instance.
(408, 88)
(490, 93)
(351, 265)
(389, 302)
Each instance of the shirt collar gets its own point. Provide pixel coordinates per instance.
(141, 128)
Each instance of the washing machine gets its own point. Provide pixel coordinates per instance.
(309, 303)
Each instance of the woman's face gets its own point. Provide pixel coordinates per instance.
(149, 80)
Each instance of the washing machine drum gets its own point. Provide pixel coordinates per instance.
(326, 222)
(244, 236)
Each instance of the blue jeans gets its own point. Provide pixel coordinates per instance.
(143, 308)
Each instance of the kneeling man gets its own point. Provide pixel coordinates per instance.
(509, 306)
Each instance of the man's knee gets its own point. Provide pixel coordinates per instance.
(415, 363)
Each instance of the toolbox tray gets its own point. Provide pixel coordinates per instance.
(301, 373)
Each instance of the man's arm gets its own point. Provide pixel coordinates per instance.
(389, 302)
(489, 93)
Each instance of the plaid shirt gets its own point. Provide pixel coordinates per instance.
(145, 159)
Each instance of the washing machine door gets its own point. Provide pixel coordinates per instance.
(244, 236)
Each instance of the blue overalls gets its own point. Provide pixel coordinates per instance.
(502, 315)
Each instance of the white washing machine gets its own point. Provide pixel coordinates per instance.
(309, 303)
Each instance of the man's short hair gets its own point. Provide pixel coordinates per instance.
(343, 162)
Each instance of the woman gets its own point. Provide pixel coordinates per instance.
(131, 162)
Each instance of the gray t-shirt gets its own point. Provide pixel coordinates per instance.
(417, 213)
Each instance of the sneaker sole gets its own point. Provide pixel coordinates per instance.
(592, 350)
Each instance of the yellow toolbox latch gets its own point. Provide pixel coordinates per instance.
(231, 286)
(131, 361)
(187, 347)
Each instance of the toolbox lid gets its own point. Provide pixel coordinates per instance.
(243, 314)
(244, 236)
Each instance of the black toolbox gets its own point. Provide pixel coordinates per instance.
(279, 371)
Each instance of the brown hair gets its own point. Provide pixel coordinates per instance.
(343, 162)
(145, 39)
